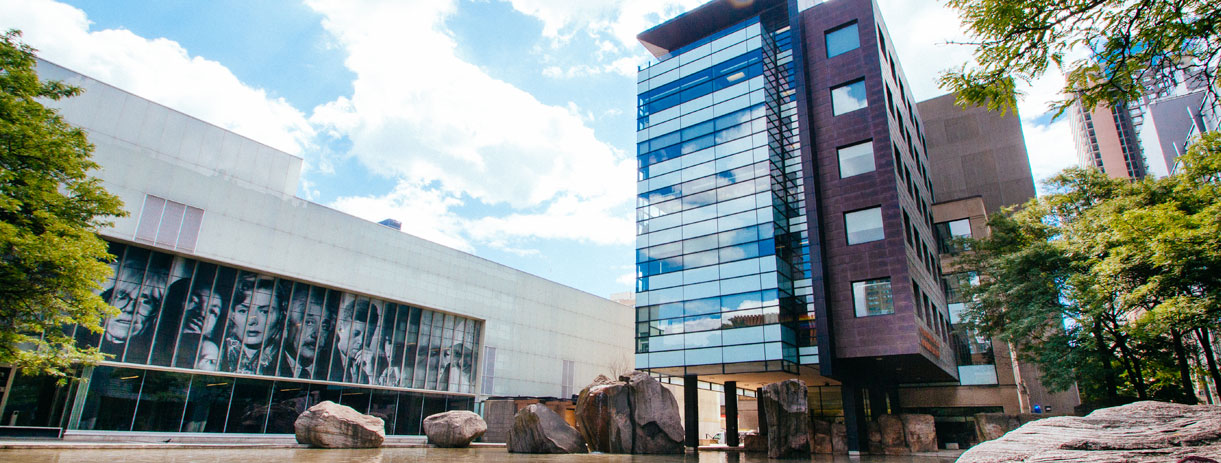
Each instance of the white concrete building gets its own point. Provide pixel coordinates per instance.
(200, 195)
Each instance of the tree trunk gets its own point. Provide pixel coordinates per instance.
(1180, 354)
(1134, 368)
(1104, 358)
(1207, 346)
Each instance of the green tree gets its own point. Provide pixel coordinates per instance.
(1109, 283)
(52, 262)
(1135, 44)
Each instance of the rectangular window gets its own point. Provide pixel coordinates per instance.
(842, 39)
(856, 159)
(864, 226)
(872, 297)
(947, 232)
(848, 97)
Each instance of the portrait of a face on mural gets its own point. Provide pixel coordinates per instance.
(182, 313)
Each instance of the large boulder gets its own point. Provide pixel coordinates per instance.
(989, 426)
(821, 440)
(538, 429)
(334, 426)
(920, 432)
(788, 420)
(890, 428)
(1138, 432)
(455, 428)
(753, 442)
(635, 414)
(839, 437)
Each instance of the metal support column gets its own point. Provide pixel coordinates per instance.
(691, 410)
(731, 413)
(854, 415)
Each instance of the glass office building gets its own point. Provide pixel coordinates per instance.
(721, 264)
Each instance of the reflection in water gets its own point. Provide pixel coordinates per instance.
(402, 455)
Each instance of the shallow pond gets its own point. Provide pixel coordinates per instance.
(397, 455)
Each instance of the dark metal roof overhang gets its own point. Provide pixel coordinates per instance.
(700, 22)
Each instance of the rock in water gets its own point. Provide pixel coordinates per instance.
(1137, 432)
(893, 440)
(456, 428)
(635, 414)
(604, 416)
(335, 426)
(920, 431)
(821, 442)
(538, 429)
(839, 437)
(788, 422)
(659, 428)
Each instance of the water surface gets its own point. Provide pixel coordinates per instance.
(400, 455)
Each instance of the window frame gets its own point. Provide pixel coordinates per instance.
(862, 312)
(848, 228)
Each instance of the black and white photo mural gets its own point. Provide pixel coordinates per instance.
(182, 313)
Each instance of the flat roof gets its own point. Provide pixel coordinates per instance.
(700, 22)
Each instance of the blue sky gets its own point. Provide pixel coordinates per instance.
(504, 128)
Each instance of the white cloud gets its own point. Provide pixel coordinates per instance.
(424, 116)
(1050, 147)
(160, 70)
(627, 279)
(424, 212)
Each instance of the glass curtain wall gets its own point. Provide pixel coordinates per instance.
(715, 259)
(258, 335)
(132, 399)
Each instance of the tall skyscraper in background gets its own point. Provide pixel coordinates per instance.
(1106, 139)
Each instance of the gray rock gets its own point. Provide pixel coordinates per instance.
(753, 442)
(604, 416)
(1138, 432)
(538, 429)
(821, 441)
(839, 437)
(635, 414)
(990, 426)
(334, 426)
(659, 427)
(894, 442)
(456, 428)
(788, 421)
(873, 432)
(920, 432)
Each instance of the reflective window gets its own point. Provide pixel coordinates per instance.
(208, 404)
(288, 400)
(872, 297)
(161, 401)
(842, 40)
(848, 97)
(248, 409)
(864, 226)
(111, 404)
(948, 232)
(856, 159)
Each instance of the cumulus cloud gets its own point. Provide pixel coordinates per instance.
(456, 136)
(157, 69)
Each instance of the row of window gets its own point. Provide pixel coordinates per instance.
(175, 311)
(699, 136)
(130, 399)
